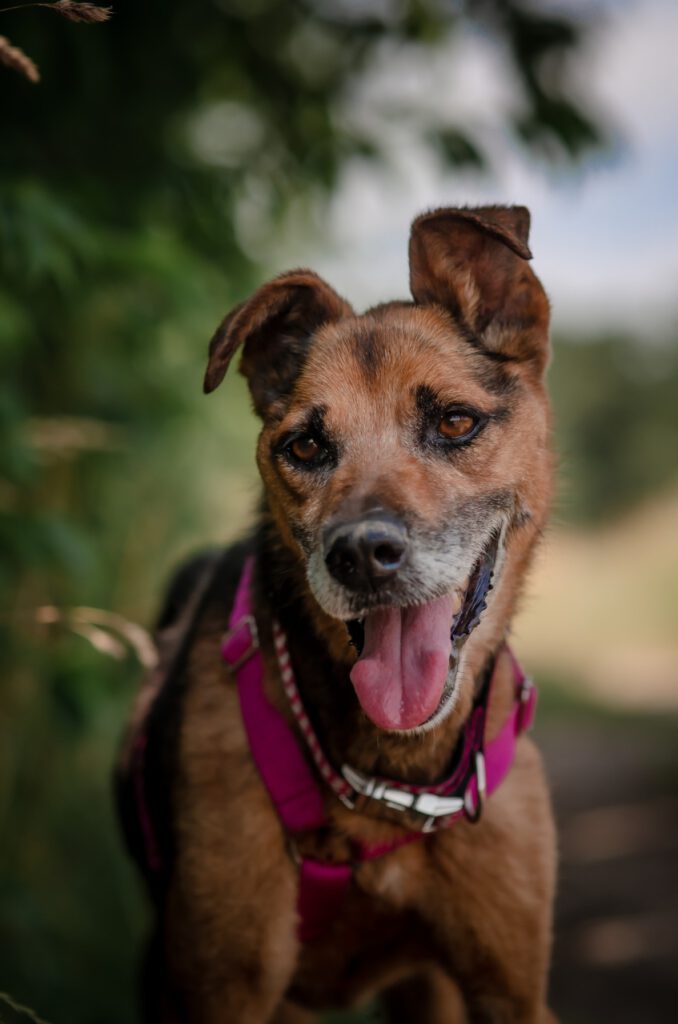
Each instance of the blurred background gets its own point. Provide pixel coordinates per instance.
(167, 162)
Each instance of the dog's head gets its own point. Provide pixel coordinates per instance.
(405, 451)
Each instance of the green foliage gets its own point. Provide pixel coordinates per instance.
(616, 421)
(551, 121)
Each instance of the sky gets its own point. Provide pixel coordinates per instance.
(604, 237)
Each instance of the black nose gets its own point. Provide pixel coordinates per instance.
(362, 555)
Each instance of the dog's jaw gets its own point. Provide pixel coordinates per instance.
(459, 661)
(439, 564)
(392, 701)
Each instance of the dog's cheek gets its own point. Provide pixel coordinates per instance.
(302, 537)
(290, 530)
(286, 512)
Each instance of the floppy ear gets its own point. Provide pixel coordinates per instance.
(274, 327)
(474, 263)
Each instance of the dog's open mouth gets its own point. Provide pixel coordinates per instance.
(408, 656)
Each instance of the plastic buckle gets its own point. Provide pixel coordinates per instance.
(430, 806)
(231, 635)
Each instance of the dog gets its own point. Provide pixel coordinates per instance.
(407, 476)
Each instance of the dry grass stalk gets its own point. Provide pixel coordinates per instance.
(89, 13)
(7, 1000)
(102, 629)
(13, 57)
(71, 9)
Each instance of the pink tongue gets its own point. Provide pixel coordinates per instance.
(400, 676)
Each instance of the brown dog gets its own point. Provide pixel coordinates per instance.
(400, 450)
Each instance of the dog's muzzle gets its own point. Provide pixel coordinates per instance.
(366, 553)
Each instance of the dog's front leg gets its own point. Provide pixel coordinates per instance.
(287, 1013)
(433, 998)
(488, 1011)
(500, 962)
(232, 948)
(429, 998)
(496, 930)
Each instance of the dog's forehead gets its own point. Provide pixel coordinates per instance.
(383, 356)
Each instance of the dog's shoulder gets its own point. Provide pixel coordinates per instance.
(193, 615)
(208, 578)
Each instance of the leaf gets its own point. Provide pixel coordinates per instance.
(457, 148)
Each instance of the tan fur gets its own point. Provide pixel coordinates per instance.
(458, 925)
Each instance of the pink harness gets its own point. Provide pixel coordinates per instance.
(297, 792)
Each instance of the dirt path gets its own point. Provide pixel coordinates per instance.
(615, 787)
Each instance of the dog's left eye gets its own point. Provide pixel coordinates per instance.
(305, 449)
(458, 425)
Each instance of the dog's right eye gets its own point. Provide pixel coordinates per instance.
(305, 448)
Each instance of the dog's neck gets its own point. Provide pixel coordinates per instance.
(322, 657)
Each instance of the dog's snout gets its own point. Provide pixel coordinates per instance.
(364, 554)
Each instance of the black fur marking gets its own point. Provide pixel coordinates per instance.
(501, 414)
(495, 378)
(477, 509)
(302, 537)
(279, 370)
(369, 350)
(314, 426)
(428, 403)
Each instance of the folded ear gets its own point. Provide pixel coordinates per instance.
(474, 263)
(274, 327)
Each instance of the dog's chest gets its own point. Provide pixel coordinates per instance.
(379, 937)
(383, 932)
(390, 882)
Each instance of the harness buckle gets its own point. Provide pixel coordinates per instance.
(231, 644)
(474, 812)
(430, 806)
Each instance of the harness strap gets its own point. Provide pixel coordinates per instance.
(279, 758)
(283, 767)
(296, 792)
(322, 891)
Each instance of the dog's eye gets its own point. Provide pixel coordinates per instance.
(305, 449)
(308, 447)
(458, 425)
